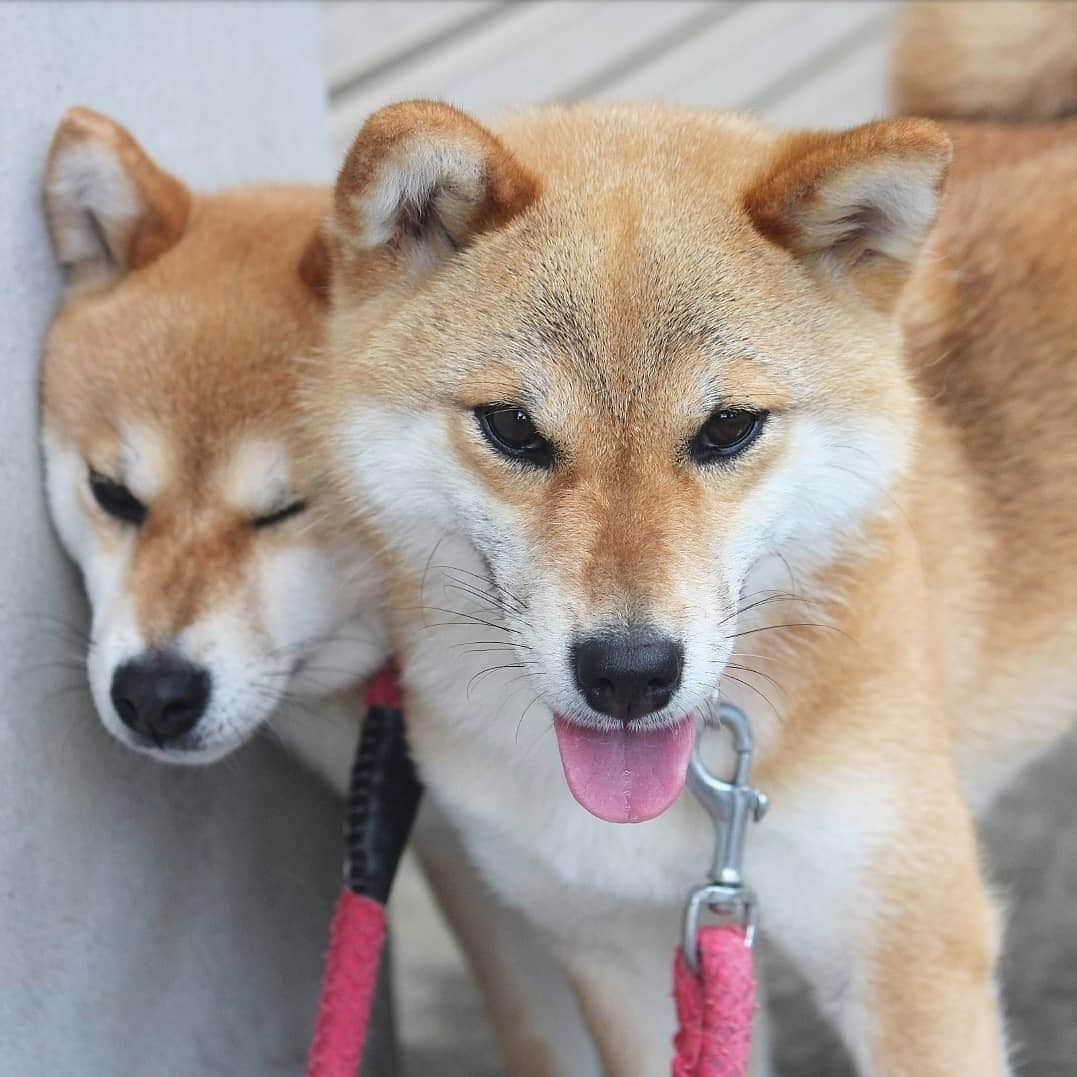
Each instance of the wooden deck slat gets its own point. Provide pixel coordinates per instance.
(816, 34)
(735, 64)
(741, 37)
(798, 62)
(358, 35)
(610, 72)
(540, 52)
(851, 91)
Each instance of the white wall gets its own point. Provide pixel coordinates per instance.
(153, 921)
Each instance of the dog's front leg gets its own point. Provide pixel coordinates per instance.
(535, 1018)
(929, 1005)
(877, 895)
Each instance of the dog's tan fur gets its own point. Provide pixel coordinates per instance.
(963, 60)
(225, 308)
(656, 249)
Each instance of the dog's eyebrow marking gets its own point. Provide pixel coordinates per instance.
(256, 479)
(724, 337)
(144, 461)
(558, 324)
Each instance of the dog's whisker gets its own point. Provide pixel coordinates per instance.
(501, 589)
(758, 673)
(475, 678)
(752, 688)
(774, 628)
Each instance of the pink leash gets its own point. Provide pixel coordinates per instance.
(715, 1008)
(382, 800)
(713, 977)
(714, 982)
(351, 975)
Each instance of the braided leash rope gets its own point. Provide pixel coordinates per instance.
(715, 1007)
(383, 796)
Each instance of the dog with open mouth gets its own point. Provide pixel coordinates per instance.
(644, 406)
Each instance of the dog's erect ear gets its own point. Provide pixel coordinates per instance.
(861, 201)
(110, 208)
(421, 181)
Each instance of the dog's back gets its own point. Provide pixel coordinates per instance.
(992, 332)
(1012, 61)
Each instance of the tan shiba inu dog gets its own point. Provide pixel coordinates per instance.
(169, 384)
(646, 405)
(176, 480)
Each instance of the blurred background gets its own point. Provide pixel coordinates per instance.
(793, 62)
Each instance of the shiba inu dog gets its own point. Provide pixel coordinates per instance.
(644, 405)
(173, 462)
(176, 478)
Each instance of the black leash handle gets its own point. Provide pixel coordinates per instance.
(383, 793)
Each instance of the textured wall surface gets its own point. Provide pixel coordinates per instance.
(152, 920)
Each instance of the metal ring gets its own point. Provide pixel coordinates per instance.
(724, 901)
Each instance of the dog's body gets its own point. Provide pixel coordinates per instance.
(544, 341)
(991, 324)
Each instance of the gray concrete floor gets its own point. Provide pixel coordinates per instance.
(440, 1020)
(1031, 840)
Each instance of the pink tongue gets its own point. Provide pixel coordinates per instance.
(627, 776)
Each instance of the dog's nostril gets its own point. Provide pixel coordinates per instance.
(175, 710)
(628, 674)
(125, 708)
(160, 695)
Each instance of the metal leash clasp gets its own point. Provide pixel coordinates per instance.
(730, 805)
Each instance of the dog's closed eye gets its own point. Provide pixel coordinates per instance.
(279, 515)
(116, 499)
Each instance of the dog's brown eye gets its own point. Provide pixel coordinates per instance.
(116, 499)
(511, 431)
(726, 433)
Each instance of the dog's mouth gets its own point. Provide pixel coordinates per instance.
(625, 775)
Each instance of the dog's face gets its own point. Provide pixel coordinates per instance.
(174, 467)
(635, 362)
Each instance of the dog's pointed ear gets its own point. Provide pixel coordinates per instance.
(420, 182)
(110, 209)
(859, 201)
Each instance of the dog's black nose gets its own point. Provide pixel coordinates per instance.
(160, 695)
(628, 674)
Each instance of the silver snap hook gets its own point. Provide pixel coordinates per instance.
(731, 806)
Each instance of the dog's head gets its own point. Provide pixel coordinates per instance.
(634, 356)
(174, 466)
